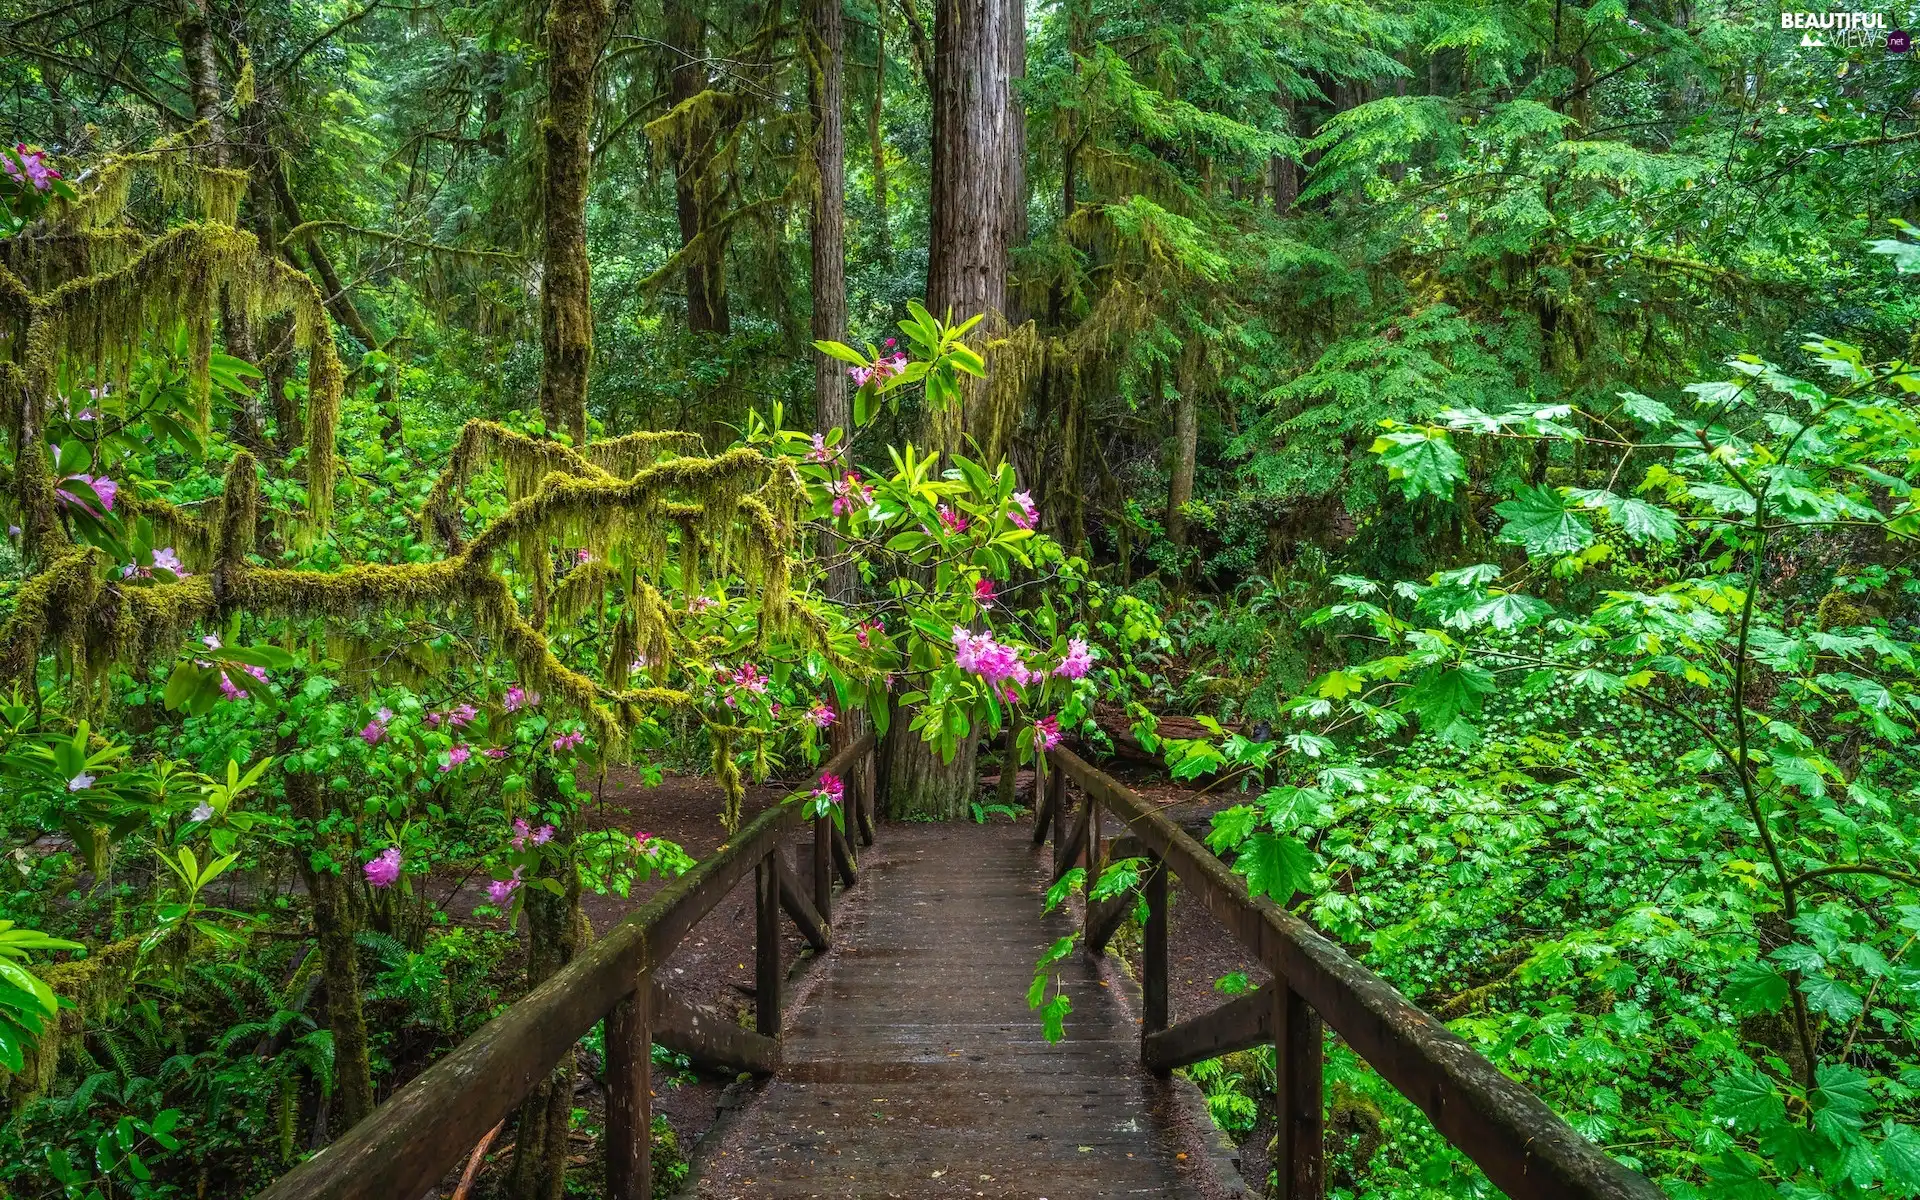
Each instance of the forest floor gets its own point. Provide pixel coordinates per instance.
(714, 965)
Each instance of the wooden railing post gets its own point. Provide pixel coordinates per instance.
(630, 1097)
(1153, 975)
(1043, 797)
(1298, 1059)
(766, 960)
(823, 867)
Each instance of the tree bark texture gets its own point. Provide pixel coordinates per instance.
(832, 406)
(692, 152)
(334, 926)
(556, 932)
(876, 133)
(966, 275)
(1186, 441)
(576, 32)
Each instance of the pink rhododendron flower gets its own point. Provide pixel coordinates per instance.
(500, 891)
(822, 715)
(983, 593)
(583, 556)
(495, 752)
(990, 660)
(457, 756)
(748, 676)
(648, 845)
(519, 698)
(568, 741)
(384, 869)
(821, 452)
(211, 641)
(103, 489)
(1024, 514)
(882, 370)
(831, 788)
(32, 168)
(851, 495)
(866, 629)
(700, 603)
(955, 522)
(1046, 732)
(453, 717)
(1078, 661)
(377, 728)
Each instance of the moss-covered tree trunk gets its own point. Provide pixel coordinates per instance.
(334, 925)
(1181, 452)
(832, 409)
(692, 150)
(556, 932)
(576, 32)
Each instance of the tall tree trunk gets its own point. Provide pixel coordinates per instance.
(1285, 170)
(692, 188)
(576, 32)
(557, 932)
(1186, 441)
(966, 275)
(1014, 194)
(832, 409)
(876, 131)
(334, 926)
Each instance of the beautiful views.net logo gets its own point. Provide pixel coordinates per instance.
(1852, 29)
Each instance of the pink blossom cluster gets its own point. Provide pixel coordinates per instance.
(1024, 513)
(501, 891)
(383, 870)
(700, 603)
(458, 756)
(748, 677)
(376, 729)
(522, 833)
(231, 692)
(453, 718)
(568, 741)
(866, 629)
(822, 715)
(831, 790)
(992, 661)
(851, 495)
(1078, 662)
(32, 168)
(1046, 733)
(951, 521)
(882, 369)
(103, 489)
(164, 559)
(983, 594)
(519, 698)
(821, 452)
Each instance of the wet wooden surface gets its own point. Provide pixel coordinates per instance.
(914, 1067)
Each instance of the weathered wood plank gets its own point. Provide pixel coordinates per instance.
(1154, 1002)
(806, 918)
(1299, 1097)
(1047, 807)
(1525, 1148)
(766, 946)
(823, 867)
(709, 1038)
(629, 1139)
(413, 1139)
(843, 858)
(1240, 1024)
(1104, 918)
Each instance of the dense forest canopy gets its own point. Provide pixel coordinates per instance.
(1473, 444)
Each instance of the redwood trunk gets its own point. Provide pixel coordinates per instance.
(832, 409)
(1186, 441)
(576, 31)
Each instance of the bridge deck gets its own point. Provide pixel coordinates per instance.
(915, 1069)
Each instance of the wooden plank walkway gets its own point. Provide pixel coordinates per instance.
(915, 1069)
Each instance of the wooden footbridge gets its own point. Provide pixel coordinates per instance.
(915, 1068)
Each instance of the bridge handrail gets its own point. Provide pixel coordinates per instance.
(427, 1128)
(1524, 1147)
